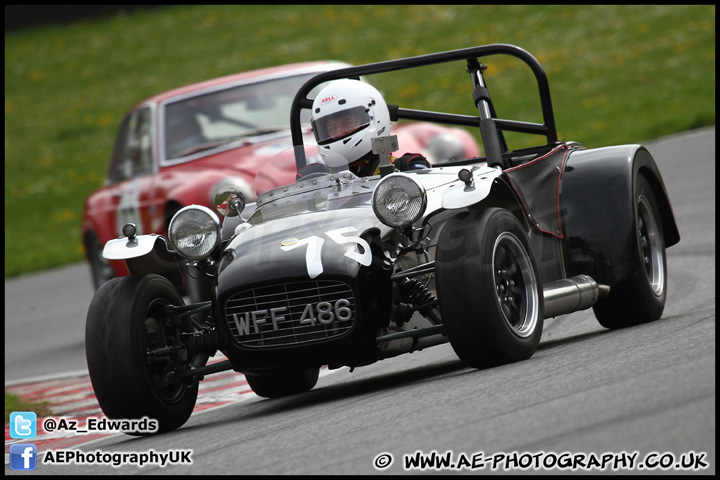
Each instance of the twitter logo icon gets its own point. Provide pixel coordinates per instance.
(23, 425)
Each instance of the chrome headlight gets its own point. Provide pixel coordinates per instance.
(194, 232)
(399, 200)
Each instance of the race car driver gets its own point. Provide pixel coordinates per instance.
(345, 116)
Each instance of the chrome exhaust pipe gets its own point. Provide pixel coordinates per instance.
(572, 294)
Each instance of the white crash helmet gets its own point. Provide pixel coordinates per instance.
(346, 114)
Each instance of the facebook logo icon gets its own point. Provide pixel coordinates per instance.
(23, 456)
(23, 425)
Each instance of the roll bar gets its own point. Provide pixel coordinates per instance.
(490, 126)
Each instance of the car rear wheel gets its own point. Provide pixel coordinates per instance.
(640, 298)
(281, 383)
(489, 288)
(130, 350)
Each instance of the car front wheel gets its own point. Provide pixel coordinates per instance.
(489, 288)
(131, 348)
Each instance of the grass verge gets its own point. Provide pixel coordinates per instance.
(618, 74)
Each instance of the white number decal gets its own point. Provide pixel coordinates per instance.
(128, 210)
(315, 243)
(364, 258)
(312, 255)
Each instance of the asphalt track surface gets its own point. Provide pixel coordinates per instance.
(640, 399)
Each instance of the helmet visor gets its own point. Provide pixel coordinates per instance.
(338, 125)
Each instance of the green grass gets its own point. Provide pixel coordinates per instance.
(13, 403)
(618, 74)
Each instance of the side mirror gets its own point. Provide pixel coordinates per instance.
(229, 201)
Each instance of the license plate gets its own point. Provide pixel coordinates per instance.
(256, 322)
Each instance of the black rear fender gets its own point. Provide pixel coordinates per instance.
(599, 214)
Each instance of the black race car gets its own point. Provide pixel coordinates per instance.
(329, 269)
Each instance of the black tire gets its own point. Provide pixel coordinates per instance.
(122, 325)
(640, 298)
(101, 270)
(283, 382)
(489, 288)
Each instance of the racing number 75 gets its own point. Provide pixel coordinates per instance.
(315, 243)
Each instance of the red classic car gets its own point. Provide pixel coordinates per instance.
(177, 148)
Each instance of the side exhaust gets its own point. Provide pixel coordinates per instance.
(563, 296)
(572, 294)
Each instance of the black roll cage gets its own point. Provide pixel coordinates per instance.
(491, 127)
